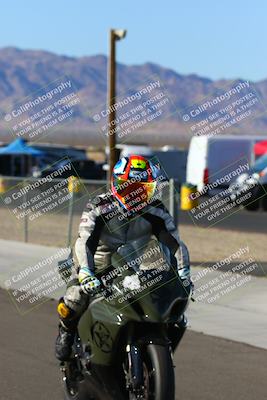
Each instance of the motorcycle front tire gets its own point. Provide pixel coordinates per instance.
(164, 372)
(158, 373)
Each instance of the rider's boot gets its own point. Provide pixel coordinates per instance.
(67, 330)
(64, 342)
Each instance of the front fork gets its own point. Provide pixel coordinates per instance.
(135, 374)
(79, 363)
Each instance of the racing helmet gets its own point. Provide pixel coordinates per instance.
(134, 182)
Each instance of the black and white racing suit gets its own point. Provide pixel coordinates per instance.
(103, 231)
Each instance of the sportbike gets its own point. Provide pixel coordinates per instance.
(126, 339)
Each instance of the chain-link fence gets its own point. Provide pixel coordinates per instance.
(49, 213)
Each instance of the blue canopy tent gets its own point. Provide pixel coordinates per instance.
(21, 156)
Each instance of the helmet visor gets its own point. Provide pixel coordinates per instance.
(133, 195)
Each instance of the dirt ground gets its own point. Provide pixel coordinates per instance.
(205, 244)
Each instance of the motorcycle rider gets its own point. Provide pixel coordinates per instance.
(103, 231)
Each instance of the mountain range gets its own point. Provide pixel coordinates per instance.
(24, 72)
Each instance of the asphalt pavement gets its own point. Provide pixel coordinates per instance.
(207, 368)
(232, 309)
(238, 220)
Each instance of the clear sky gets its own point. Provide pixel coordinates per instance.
(215, 39)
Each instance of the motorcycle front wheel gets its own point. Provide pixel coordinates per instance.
(159, 382)
(73, 387)
(70, 383)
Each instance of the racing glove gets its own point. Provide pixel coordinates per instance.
(88, 281)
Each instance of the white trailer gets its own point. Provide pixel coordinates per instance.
(211, 158)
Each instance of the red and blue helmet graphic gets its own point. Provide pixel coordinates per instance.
(133, 182)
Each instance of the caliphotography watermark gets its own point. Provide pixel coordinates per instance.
(224, 111)
(138, 272)
(225, 277)
(35, 197)
(135, 195)
(224, 195)
(32, 285)
(135, 110)
(43, 111)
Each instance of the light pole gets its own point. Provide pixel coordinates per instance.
(115, 34)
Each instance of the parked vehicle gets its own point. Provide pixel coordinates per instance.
(84, 169)
(252, 184)
(211, 158)
(173, 162)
